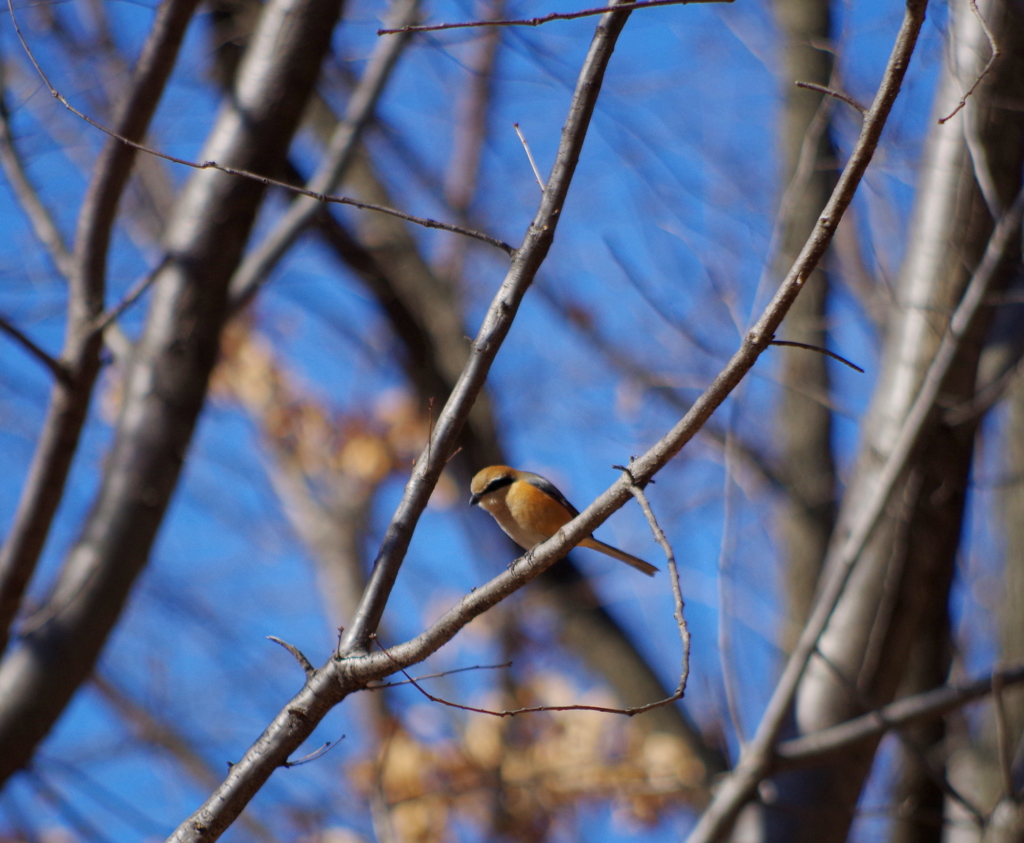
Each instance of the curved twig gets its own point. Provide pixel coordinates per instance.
(354, 667)
(348, 672)
(325, 198)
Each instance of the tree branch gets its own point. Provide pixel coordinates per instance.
(167, 382)
(354, 666)
(69, 402)
(359, 111)
(809, 749)
(333, 682)
(57, 369)
(38, 215)
(266, 181)
(600, 10)
(754, 764)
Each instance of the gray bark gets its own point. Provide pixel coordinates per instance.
(166, 386)
(805, 424)
(905, 571)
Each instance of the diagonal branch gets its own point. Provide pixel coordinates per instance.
(811, 748)
(266, 181)
(69, 402)
(354, 667)
(261, 260)
(57, 368)
(496, 324)
(332, 683)
(166, 384)
(754, 765)
(38, 215)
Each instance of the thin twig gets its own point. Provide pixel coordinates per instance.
(673, 574)
(133, 295)
(984, 71)
(296, 653)
(264, 180)
(820, 350)
(316, 753)
(529, 155)
(532, 709)
(329, 173)
(38, 215)
(839, 95)
(58, 369)
(439, 674)
(599, 10)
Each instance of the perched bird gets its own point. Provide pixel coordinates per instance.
(530, 510)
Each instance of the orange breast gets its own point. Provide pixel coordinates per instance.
(530, 506)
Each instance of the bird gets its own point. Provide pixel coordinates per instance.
(530, 510)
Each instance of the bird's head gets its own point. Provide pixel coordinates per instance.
(489, 481)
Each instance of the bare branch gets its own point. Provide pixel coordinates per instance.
(534, 709)
(134, 294)
(58, 369)
(326, 688)
(754, 765)
(984, 71)
(354, 667)
(39, 216)
(839, 95)
(529, 156)
(316, 753)
(248, 174)
(69, 402)
(809, 749)
(176, 353)
(740, 785)
(673, 573)
(258, 263)
(599, 10)
(527, 260)
(820, 350)
(439, 674)
(296, 654)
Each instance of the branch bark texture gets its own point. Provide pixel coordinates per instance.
(899, 577)
(166, 386)
(354, 667)
(69, 401)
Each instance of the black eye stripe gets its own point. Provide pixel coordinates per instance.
(496, 484)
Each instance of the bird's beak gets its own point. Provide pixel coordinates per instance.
(474, 500)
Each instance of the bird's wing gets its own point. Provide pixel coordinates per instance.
(549, 488)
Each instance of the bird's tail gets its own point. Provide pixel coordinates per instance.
(639, 564)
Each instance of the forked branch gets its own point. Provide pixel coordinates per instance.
(355, 667)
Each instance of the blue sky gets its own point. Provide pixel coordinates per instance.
(662, 244)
